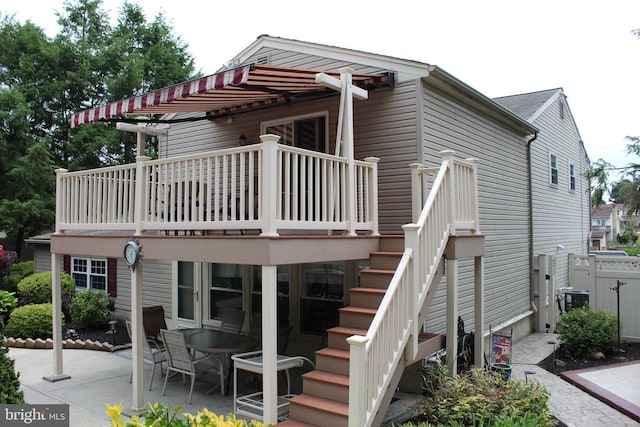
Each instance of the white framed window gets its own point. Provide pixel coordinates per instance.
(225, 290)
(309, 131)
(90, 273)
(553, 169)
(572, 177)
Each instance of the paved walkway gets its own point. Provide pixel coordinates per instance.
(568, 403)
(99, 377)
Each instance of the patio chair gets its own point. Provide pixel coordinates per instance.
(181, 360)
(150, 352)
(153, 321)
(232, 320)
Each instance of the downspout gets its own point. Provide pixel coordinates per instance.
(530, 178)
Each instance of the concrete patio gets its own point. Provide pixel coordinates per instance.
(99, 377)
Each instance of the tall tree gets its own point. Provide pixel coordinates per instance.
(630, 188)
(27, 65)
(598, 175)
(44, 81)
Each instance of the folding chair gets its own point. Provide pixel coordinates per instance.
(153, 321)
(232, 320)
(181, 360)
(150, 352)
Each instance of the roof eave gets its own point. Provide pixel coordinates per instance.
(461, 91)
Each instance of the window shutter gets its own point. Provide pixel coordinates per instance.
(112, 277)
(66, 264)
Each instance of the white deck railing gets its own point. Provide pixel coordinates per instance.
(393, 334)
(266, 186)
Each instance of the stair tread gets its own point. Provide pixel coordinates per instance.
(377, 271)
(333, 352)
(347, 330)
(322, 404)
(357, 309)
(422, 336)
(328, 377)
(369, 290)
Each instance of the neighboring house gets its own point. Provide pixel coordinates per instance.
(626, 223)
(229, 217)
(559, 190)
(604, 226)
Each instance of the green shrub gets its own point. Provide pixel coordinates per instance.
(635, 251)
(31, 321)
(19, 271)
(481, 398)
(10, 282)
(24, 269)
(7, 302)
(586, 331)
(9, 380)
(36, 289)
(91, 308)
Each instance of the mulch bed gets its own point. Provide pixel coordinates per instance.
(121, 337)
(565, 361)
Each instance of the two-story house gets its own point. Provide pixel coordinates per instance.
(604, 226)
(312, 185)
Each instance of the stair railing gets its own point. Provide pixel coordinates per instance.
(394, 330)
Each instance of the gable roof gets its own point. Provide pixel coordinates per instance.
(243, 89)
(403, 69)
(602, 212)
(529, 105)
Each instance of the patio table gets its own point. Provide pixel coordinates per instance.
(212, 341)
(217, 343)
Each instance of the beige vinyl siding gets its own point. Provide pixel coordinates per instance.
(385, 127)
(553, 204)
(156, 285)
(289, 59)
(503, 199)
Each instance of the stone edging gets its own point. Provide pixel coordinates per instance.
(39, 343)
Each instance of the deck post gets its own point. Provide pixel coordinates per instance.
(137, 359)
(270, 184)
(416, 192)
(60, 214)
(479, 311)
(373, 194)
(56, 299)
(140, 195)
(474, 176)
(452, 316)
(411, 242)
(358, 380)
(269, 344)
(447, 156)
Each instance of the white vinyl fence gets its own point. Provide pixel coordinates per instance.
(600, 275)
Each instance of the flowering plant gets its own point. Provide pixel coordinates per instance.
(7, 259)
(160, 415)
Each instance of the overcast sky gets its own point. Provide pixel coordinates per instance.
(497, 47)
